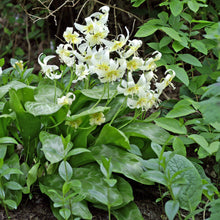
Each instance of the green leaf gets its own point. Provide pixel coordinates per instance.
(200, 46)
(111, 135)
(210, 115)
(180, 110)
(155, 176)
(13, 84)
(171, 209)
(77, 151)
(2, 62)
(32, 175)
(97, 92)
(13, 185)
(171, 32)
(11, 171)
(147, 130)
(214, 209)
(176, 7)
(90, 175)
(146, 30)
(88, 112)
(172, 125)
(179, 147)
(11, 203)
(180, 74)
(65, 171)
(45, 93)
(193, 5)
(122, 161)
(188, 195)
(188, 58)
(42, 108)
(8, 140)
(138, 3)
(52, 146)
(177, 46)
(128, 212)
(65, 213)
(165, 41)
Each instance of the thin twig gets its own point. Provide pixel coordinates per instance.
(80, 11)
(120, 9)
(27, 39)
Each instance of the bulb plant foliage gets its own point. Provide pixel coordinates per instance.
(69, 130)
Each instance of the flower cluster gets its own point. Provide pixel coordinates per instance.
(88, 51)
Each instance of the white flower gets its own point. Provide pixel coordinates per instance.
(167, 81)
(97, 119)
(130, 87)
(134, 45)
(0, 71)
(72, 37)
(82, 71)
(149, 76)
(66, 100)
(150, 63)
(48, 69)
(85, 29)
(135, 63)
(102, 17)
(66, 52)
(100, 32)
(114, 71)
(19, 64)
(145, 100)
(116, 45)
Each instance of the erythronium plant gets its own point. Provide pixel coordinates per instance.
(73, 131)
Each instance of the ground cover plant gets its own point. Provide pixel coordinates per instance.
(81, 130)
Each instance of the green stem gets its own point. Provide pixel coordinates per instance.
(66, 90)
(116, 114)
(100, 98)
(55, 92)
(136, 115)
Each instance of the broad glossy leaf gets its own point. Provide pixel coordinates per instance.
(97, 92)
(77, 151)
(128, 212)
(200, 46)
(101, 193)
(172, 125)
(52, 146)
(111, 135)
(122, 161)
(147, 130)
(155, 176)
(210, 114)
(214, 209)
(45, 93)
(13, 84)
(188, 195)
(65, 171)
(171, 209)
(42, 108)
